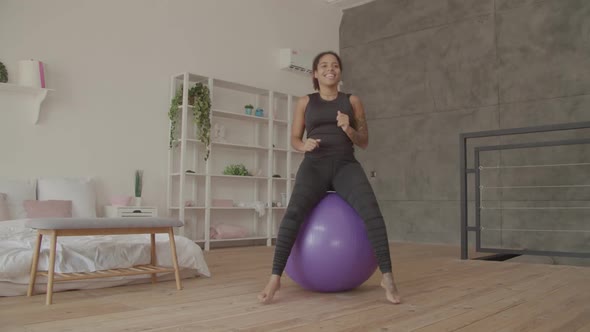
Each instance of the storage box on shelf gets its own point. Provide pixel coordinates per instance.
(218, 207)
(112, 211)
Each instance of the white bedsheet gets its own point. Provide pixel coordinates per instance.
(88, 253)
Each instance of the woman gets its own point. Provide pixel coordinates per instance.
(335, 122)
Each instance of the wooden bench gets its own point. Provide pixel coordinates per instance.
(100, 226)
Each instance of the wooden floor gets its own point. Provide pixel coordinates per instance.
(440, 292)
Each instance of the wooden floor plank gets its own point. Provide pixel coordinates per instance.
(440, 293)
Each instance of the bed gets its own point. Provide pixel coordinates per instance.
(86, 254)
(78, 253)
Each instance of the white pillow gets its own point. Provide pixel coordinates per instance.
(17, 191)
(78, 190)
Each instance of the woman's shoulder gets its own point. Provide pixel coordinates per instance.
(351, 97)
(303, 100)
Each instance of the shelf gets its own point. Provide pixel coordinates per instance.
(239, 87)
(191, 77)
(250, 133)
(240, 177)
(213, 208)
(232, 208)
(240, 239)
(240, 146)
(135, 270)
(37, 95)
(187, 174)
(224, 176)
(188, 140)
(238, 116)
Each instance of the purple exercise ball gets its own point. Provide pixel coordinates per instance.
(332, 252)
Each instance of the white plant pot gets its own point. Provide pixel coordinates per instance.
(137, 201)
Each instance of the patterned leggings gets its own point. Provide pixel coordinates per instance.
(346, 176)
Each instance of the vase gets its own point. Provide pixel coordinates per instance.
(249, 111)
(137, 201)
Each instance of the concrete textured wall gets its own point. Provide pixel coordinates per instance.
(428, 70)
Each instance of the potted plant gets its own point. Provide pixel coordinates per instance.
(3, 73)
(236, 169)
(199, 98)
(248, 108)
(138, 186)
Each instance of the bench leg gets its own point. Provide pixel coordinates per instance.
(51, 268)
(34, 264)
(174, 258)
(153, 261)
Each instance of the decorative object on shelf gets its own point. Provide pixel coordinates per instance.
(199, 97)
(189, 203)
(3, 73)
(120, 200)
(248, 108)
(236, 169)
(259, 112)
(258, 206)
(219, 133)
(138, 186)
(31, 73)
(224, 231)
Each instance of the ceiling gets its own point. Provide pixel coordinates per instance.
(345, 4)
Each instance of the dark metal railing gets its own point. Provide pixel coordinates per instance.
(464, 138)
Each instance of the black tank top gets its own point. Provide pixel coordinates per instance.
(320, 123)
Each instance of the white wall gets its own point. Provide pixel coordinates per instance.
(110, 62)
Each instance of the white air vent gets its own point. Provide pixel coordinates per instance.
(296, 61)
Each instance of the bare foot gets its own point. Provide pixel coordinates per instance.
(391, 292)
(274, 284)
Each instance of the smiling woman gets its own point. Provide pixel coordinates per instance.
(335, 122)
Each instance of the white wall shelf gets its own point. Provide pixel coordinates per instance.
(238, 116)
(34, 95)
(240, 146)
(261, 143)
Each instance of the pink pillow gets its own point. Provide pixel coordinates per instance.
(48, 209)
(227, 232)
(4, 215)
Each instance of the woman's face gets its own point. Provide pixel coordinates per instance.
(328, 70)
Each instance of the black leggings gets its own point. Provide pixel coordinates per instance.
(345, 175)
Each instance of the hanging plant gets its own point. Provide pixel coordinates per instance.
(201, 115)
(199, 98)
(3, 73)
(173, 114)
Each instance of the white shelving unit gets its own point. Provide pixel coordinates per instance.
(262, 144)
(34, 96)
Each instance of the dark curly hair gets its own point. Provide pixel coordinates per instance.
(316, 61)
